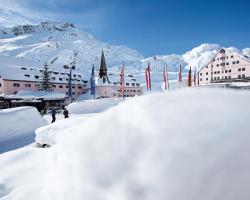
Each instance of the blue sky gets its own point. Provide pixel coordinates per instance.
(151, 27)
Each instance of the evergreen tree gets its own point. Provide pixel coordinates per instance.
(46, 85)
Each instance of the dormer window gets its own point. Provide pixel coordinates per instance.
(60, 79)
(222, 51)
(23, 68)
(26, 75)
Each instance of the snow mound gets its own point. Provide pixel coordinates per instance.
(18, 127)
(92, 106)
(182, 145)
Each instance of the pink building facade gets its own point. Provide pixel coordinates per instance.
(29, 79)
(226, 66)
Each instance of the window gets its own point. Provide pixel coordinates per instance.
(133, 84)
(239, 76)
(137, 84)
(53, 78)
(225, 77)
(222, 72)
(229, 70)
(200, 74)
(73, 86)
(27, 85)
(227, 57)
(214, 72)
(229, 77)
(239, 69)
(243, 76)
(218, 65)
(237, 62)
(222, 51)
(60, 86)
(206, 66)
(16, 85)
(67, 86)
(73, 93)
(227, 63)
(0, 85)
(200, 79)
(243, 69)
(218, 59)
(206, 79)
(79, 87)
(60, 79)
(23, 68)
(232, 56)
(225, 71)
(213, 59)
(127, 84)
(36, 77)
(206, 73)
(218, 72)
(222, 58)
(233, 62)
(26, 75)
(222, 64)
(54, 86)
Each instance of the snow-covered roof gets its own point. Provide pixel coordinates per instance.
(13, 68)
(23, 94)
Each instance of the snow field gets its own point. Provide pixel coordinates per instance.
(183, 145)
(17, 127)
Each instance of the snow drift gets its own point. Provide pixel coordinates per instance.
(17, 127)
(181, 145)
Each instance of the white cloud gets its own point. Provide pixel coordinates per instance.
(14, 12)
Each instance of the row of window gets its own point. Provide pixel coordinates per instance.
(226, 71)
(62, 73)
(223, 58)
(37, 85)
(226, 77)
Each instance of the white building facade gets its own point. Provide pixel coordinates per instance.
(226, 66)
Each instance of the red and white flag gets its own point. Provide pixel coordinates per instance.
(165, 78)
(122, 81)
(180, 75)
(148, 78)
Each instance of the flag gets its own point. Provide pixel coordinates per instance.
(179, 74)
(122, 81)
(92, 82)
(195, 77)
(189, 80)
(148, 78)
(165, 78)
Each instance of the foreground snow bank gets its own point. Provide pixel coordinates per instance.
(18, 127)
(182, 145)
(92, 106)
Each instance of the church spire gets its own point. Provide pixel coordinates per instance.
(103, 72)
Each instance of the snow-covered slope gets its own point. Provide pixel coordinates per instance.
(18, 127)
(60, 43)
(177, 148)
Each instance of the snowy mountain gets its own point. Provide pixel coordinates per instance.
(60, 43)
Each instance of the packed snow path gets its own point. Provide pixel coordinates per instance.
(182, 145)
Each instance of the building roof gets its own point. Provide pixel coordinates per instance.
(12, 68)
(24, 94)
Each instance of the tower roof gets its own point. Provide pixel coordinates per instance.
(103, 66)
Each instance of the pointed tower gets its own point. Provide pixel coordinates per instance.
(103, 72)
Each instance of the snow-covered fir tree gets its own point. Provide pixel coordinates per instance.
(46, 85)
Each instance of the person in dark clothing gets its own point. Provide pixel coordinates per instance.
(53, 114)
(66, 113)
